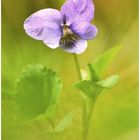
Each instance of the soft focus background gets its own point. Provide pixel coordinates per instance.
(116, 112)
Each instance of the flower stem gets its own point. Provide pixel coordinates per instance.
(77, 67)
(87, 119)
(87, 106)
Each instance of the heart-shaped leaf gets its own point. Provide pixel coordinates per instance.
(89, 88)
(92, 89)
(38, 91)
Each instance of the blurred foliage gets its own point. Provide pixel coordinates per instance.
(103, 61)
(37, 92)
(64, 123)
(115, 113)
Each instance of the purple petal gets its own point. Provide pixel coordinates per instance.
(84, 29)
(77, 9)
(52, 34)
(68, 11)
(87, 10)
(35, 24)
(78, 48)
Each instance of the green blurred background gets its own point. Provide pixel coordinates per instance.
(115, 113)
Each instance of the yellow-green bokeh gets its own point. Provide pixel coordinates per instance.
(115, 114)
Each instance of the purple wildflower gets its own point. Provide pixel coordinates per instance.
(69, 28)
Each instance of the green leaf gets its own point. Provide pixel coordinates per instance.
(102, 62)
(93, 75)
(92, 89)
(38, 91)
(108, 82)
(89, 88)
(64, 123)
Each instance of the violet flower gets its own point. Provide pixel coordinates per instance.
(69, 28)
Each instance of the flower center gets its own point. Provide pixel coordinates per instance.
(66, 30)
(69, 38)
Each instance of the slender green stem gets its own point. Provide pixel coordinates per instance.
(77, 67)
(88, 118)
(88, 105)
